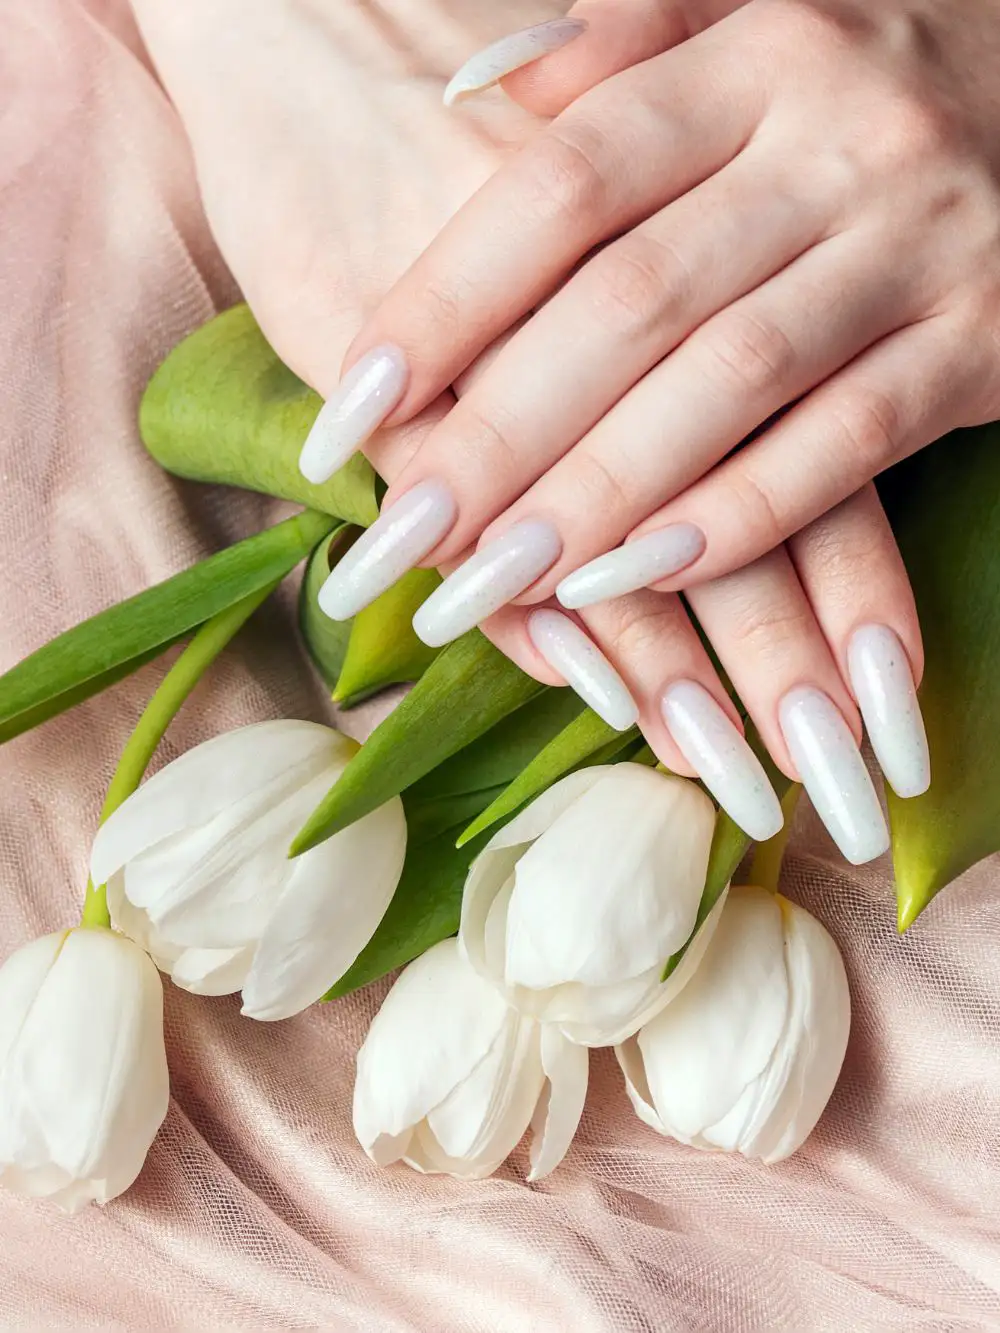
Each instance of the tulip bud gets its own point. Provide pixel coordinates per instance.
(450, 1077)
(196, 863)
(573, 908)
(83, 1069)
(747, 1057)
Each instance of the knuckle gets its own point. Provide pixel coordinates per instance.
(489, 440)
(870, 430)
(637, 284)
(600, 488)
(643, 627)
(566, 175)
(751, 355)
(768, 627)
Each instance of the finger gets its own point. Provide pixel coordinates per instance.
(853, 574)
(910, 388)
(617, 317)
(768, 639)
(575, 184)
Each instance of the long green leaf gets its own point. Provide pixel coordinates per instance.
(325, 639)
(944, 505)
(117, 641)
(223, 408)
(383, 648)
(585, 738)
(467, 690)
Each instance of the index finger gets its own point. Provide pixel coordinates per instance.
(623, 150)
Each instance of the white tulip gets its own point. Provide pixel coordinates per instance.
(450, 1077)
(573, 908)
(197, 868)
(83, 1070)
(746, 1058)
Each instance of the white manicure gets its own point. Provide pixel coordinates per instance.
(501, 58)
(488, 580)
(583, 667)
(361, 402)
(723, 760)
(833, 773)
(883, 686)
(398, 539)
(635, 565)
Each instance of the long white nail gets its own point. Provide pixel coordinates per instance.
(398, 539)
(362, 401)
(501, 58)
(635, 565)
(833, 773)
(583, 667)
(883, 686)
(723, 760)
(488, 580)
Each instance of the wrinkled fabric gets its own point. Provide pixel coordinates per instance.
(257, 1208)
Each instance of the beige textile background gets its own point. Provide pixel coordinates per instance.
(256, 1208)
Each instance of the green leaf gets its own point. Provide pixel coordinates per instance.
(465, 691)
(325, 639)
(115, 642)
(944, 505)
(586, 739)
(383, 648)
(223, 408)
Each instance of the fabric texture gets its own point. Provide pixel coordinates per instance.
(257, 1208)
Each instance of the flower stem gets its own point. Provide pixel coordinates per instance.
(765, 867)
(177, 684)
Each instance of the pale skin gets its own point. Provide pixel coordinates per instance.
(330, 170)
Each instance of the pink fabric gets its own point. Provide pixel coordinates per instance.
(257, 1209)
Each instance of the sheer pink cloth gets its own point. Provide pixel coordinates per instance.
(257, 1209)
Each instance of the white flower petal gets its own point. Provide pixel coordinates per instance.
(21, 978)
(437, 1022)
(333, 902)
(704, 1049)
(545, 809)
(211, 778)
(559, 1109)
(636, 1085)
(611, 889)
(211, 971)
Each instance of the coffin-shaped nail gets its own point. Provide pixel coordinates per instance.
(713, 746)
(582, 665)
(833, 773)
(637, 564)
(503, 57)
(488, 580)
(883, 686)
(361, 402)
(398, 539)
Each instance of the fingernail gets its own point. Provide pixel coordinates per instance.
(635, 565)
(361, 402)
(501, 58)
(488, 580)
(833, 773)
(583, 667)
(883, 686)
(714, 748)
(398, 539)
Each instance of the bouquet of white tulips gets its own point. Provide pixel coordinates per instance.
(545, 886)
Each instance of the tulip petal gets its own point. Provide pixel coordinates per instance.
(211, 971)
(633, 1066)
(612, 887)
(211, 778)
(560, 1107)
(21, 978)
(437, 1022)
(333, 901)
(734, 1007)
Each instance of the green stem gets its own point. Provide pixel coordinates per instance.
(175, 687)
(765, 867)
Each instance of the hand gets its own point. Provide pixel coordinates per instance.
(806, 201)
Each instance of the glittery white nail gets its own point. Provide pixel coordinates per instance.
(583, 667)
(635, 565)
(713, 746)
(353, 412)
(883, 686)
(398, 539)
(501, 58)
(833, 773)
(488, 580)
